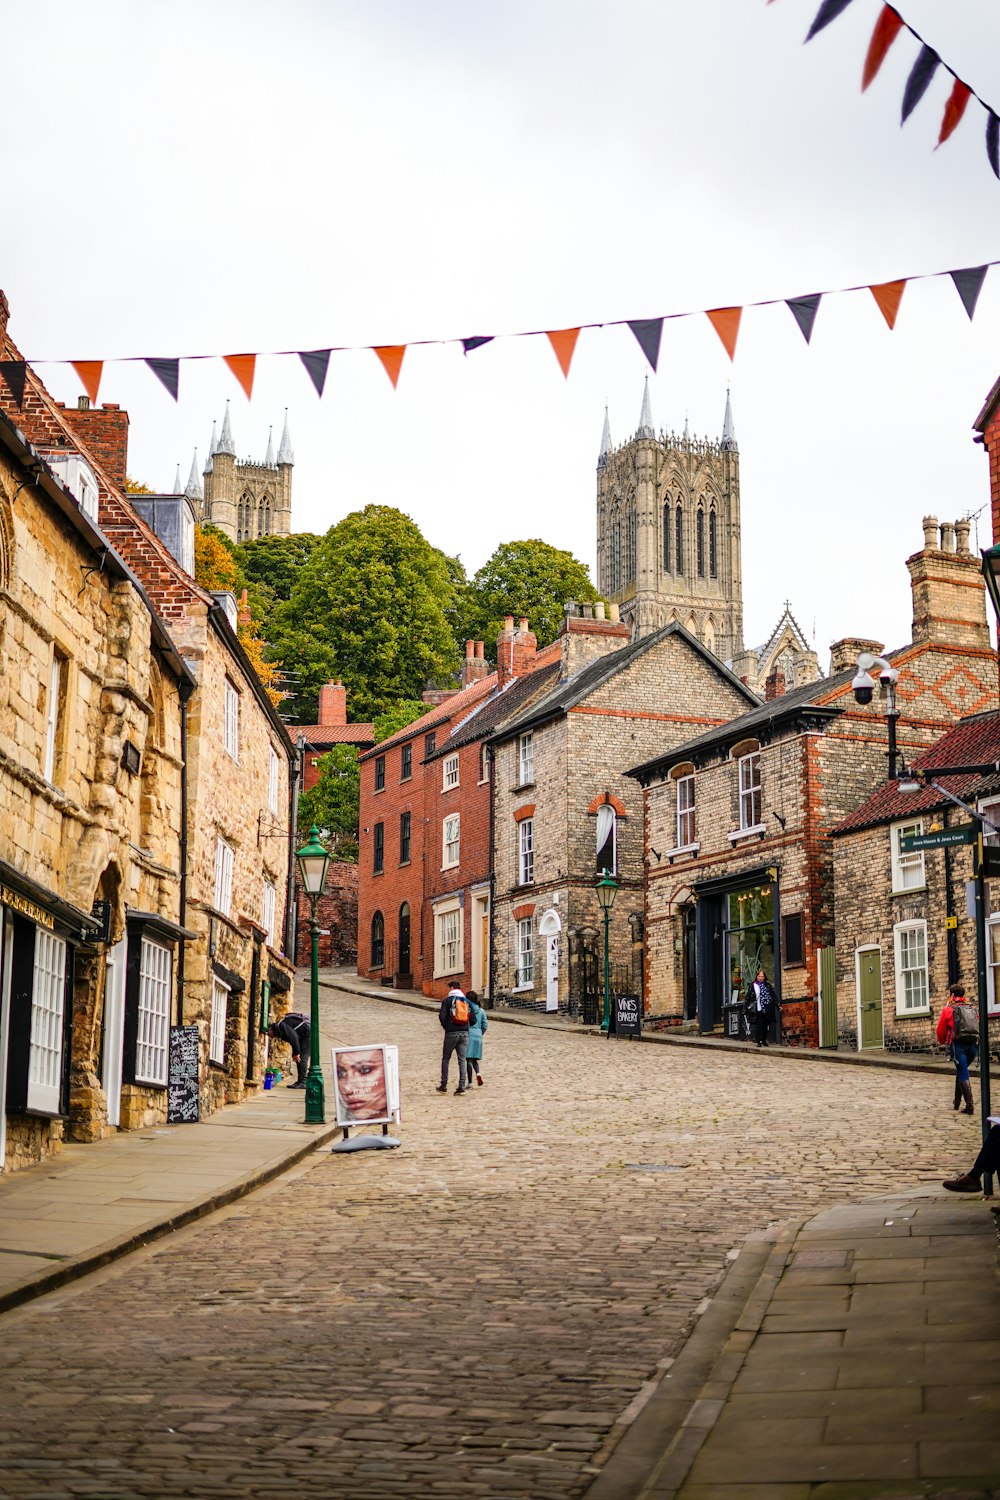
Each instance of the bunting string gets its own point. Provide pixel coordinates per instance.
(648, 332)
(887, 28)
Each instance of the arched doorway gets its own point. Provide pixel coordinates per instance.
(404, 938)
(549, 928)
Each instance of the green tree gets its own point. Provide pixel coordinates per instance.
(275, 562)
(524, 578)
(333, 803)
(396, 718)
(370, 606)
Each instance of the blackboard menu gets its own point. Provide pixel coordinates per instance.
(182, 1084)
(627, 1016)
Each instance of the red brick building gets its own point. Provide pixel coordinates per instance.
(333, 729)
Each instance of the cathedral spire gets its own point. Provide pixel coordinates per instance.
(178, 488)
(728, 444)
(269, 455)
(226, 444)
(602, 457)
(285, 454)
(211, 449)
(193, 489)
(646, 415)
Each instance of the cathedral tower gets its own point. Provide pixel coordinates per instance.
(246, 499)
(668, 531)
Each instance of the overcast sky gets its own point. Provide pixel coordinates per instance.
(214, 177)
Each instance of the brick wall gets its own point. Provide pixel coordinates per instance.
(104, 430)
(337, 911)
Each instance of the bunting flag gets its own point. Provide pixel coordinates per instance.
(316, 362)
(968, 281)
(243, 366)
(968, 284)
(14, 372)
(828, 11)
(167, 372)
(649, 331)
(887, 28)
(391, 356)
(804, 310)
(888, 295)
(89, 371)
(563, 341)
(726, 322)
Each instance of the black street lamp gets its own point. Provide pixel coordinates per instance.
(607, 890)
(991, 573)
(313, 864)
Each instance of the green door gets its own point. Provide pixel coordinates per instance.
(827, 962)
(870, 972)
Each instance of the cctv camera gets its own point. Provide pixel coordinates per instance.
(888, 677)
(863, 687)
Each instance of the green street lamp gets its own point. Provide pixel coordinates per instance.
(313, 862)
(607, 890)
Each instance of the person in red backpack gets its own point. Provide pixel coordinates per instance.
(454, 1017)
(958, 1030)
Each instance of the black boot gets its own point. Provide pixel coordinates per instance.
(970, 1108)
(958, 1095)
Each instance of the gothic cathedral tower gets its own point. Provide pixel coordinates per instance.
(668, 532)
(245, 499)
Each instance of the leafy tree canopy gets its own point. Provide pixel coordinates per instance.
(215, 566)
(333, 803)
(524, 578)
(396, 718)
(370, 606)
(276, 561)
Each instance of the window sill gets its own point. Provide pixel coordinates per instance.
(455, 787)
(377, 791)
(691, 850)
(523, 786)
(905, 1015)
(378, 872)
(446, 868)
(913, 890)
(522, 989)
(758, 831)
(404, 864)
(525, 885)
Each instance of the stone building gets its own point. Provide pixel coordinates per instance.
(563, 807)
(92, 694)
(738, 820)
(244, 498)
(904, 932)
(668, 532)
(221, 776)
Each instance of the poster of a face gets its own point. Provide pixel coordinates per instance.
(367, 1084)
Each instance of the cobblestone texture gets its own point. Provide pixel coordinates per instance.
(467, 1316)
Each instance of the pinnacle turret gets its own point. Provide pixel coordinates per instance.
(646, 415)
(269, 455)
(728, 443)
(285, 454)
(602, 457)
(211, 449)
(193, 489)
(226, 444)
(178, 488)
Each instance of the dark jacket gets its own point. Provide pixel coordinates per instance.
(445, 1016)
(295, 1030)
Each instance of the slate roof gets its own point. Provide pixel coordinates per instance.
(760, 722)
(973, 741)
(596, 673)
(488, 717)
(459, 703)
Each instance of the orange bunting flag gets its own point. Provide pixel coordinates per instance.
(887, 28)
(243, 366)
(563, 341)
(391, 356)
(726, 322)
(89, 371)
(954, 109)
(888, 295)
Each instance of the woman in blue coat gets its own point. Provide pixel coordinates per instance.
(477, 1025)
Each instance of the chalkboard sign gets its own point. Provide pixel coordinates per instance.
(627, 1015)
(182, 1087)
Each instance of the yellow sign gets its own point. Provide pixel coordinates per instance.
(951, 922)
(24, 907)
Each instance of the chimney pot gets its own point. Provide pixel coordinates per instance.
(962, 529)
(83, 403)
(947, 536)
(599, 610)
(470, 650)
(930, 524)
(614, 613)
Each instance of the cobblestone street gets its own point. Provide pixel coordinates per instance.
(474, 1314)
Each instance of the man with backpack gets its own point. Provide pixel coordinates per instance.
(454, 1017)
(958, 1030)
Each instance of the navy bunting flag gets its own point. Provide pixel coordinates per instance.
(968, 285)
(167, 372)
(804, 310)
(476, 342)
(14, 372)
(317, 362)
(922, 72)
(828, 11)
(993, 142)
(648, 332)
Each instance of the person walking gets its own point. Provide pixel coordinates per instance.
(760, 1004)
(988, 1160)
(297, 1032)
(454, 1018)
(477, 1025)
(958, 1030)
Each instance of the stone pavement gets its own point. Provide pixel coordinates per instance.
(616, 1270)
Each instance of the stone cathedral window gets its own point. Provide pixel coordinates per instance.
(666, 535)
(700, 541)
(713, 551)
(678, 540)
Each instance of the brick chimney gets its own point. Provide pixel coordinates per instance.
(4, 315)
(845, 653)
(104, 430)
(475, 666)
(949, 597)
(774, 685)
(333, 703)
(515, 650)
(585, 634)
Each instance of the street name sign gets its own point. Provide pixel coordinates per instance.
(943, 838)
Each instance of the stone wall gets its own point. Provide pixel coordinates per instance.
(337, 911)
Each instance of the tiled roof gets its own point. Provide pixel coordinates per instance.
(459, 703)
(973, 741)
(336, 734)
(516, 696)
(596, 673)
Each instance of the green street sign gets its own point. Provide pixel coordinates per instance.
(991, 861)
(944, 838)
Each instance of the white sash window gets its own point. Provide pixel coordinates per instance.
(48, 1003)
(153, 1034)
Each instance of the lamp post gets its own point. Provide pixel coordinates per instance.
(607, 890)
(313, 864)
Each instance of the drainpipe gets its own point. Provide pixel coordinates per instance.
(291, 895)
(185, 689)
(491, 760)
